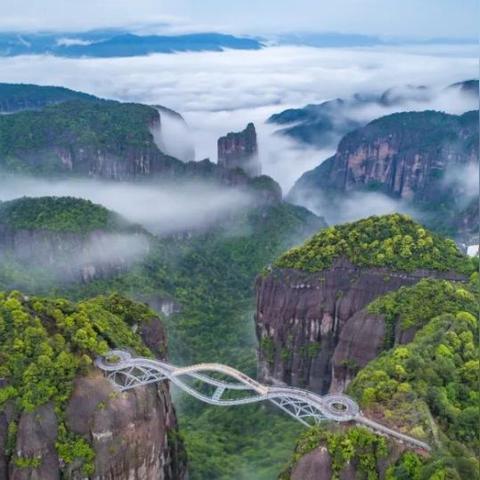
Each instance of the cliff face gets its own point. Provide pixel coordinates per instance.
(72, 256)
(134, 434)
(133, 162)
(311, 327)
(239, 150)
(406, 155)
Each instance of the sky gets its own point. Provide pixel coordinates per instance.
(399, 18)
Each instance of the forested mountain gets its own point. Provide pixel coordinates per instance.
(58, 416)
(21, 96)
(382, 309)
(324, 124)
(427, 387)
(54, 240)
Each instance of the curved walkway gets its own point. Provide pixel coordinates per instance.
(127, 372)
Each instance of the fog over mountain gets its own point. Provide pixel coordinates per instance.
(217, 92)
(162, 209)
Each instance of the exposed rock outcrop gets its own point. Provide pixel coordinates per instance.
(130, 432)
(423, 159)
(406, 155)
(318, 465)
(311, 327)
(240, 150)
(133, 434)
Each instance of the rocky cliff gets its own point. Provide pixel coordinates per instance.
(103, 139)
(407, 155)
(312, 327)
(118, 142)
(424, 159)
(80, 427)
(240, 150)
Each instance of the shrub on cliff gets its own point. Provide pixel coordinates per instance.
(356, 446)
(392, 241)
(429, 387)
(46, 342)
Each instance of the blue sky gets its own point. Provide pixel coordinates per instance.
(399, 18)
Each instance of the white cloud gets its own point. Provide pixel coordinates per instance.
(162, 209)
(221, 92)
(67, 42)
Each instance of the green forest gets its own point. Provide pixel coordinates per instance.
(58, 214)
(211, 276)
(393, 241)
(46, 342)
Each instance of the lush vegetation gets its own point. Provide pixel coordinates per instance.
(356, 446)
(392, 241)
(409, 307)
(211, 275)
(30, 141)
(62, 214)
(429, 387)
(46, 342)
(19, 96)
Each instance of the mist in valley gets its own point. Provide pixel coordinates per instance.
(162, 209)
(218, 92)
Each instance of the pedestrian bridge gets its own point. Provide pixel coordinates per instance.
(222, 385)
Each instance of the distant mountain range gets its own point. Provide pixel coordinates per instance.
(336, 40)
(123, 43)
(118, 44)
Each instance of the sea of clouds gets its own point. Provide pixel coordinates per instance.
(217, 92)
